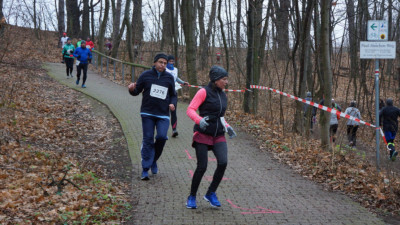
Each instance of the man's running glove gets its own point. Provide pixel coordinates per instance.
(203, 123)
(231, 132)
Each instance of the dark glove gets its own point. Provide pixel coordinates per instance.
(203, 123)
(231, 132)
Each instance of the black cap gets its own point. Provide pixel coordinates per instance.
(83, 42)
(217, 72)
(171, 57)
(160, 56)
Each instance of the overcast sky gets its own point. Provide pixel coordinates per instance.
(19, 12)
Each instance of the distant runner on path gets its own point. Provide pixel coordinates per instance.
(64, 39)
(174, 71)
(388, 118)
(209, 129)
(352, 125)
(159, 97)
(68, 56)
(83, 55)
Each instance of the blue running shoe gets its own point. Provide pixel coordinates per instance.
(77, 82)
(145, 175)
(393, 155)
(212, 199)
(154, 168)
(191, 202)
(83, 86)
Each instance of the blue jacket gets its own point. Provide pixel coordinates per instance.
(158, 93)
(82, 54)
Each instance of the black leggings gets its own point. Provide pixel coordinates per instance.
(352, 133)
(83, 67)
(220, 151)
(69, 62)
(174, 119)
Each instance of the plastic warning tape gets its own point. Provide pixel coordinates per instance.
(228, 90)
(331, 110)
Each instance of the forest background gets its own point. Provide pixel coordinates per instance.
(291, 45)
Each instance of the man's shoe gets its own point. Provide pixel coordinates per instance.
(154, 168)
(67, 76)
(393, 155)
(212, 199)
(145, 175)
(174, 133)
(191, 202)
(83, 86)
(77, 82)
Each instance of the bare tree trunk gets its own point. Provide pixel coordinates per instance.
(253, 63)
(103, 26)
(167, 20)
(188, 17)
(205, 35)
(1, 9)
(114, 51)
(282, 28)
(201, 7)
(390, 35)
(175, 30)
(137, 24)
(305, 43)
(129, 34)
(326, 70)
(353, 45)
(73, 14)
(223, 35)
(91, 19)
(2, 20)
(116, 13)
(85, 20)
(60, 19)
(238, 20)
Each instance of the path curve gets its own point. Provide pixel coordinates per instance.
(256, 189)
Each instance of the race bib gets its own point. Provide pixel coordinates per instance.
(77, 62)
(158, 91)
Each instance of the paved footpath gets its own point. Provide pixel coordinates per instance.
(255, 190)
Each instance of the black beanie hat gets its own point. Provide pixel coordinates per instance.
(217, 73)
(171, 57)
(389, 102)
(160, 56)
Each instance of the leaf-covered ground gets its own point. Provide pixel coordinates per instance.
(57, 147)
(344, 169)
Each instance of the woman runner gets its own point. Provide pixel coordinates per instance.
(209, 130)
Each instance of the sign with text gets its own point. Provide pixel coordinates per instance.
(377, 30)
(377, 50)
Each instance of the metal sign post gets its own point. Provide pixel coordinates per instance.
(377, 47)
(377, 111)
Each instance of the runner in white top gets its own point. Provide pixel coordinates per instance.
(64, 40)
(174, 72)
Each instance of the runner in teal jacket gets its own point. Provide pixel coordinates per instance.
(68, 57)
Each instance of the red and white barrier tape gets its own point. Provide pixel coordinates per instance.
(226, 90)
(341, 114)
(325, 108)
